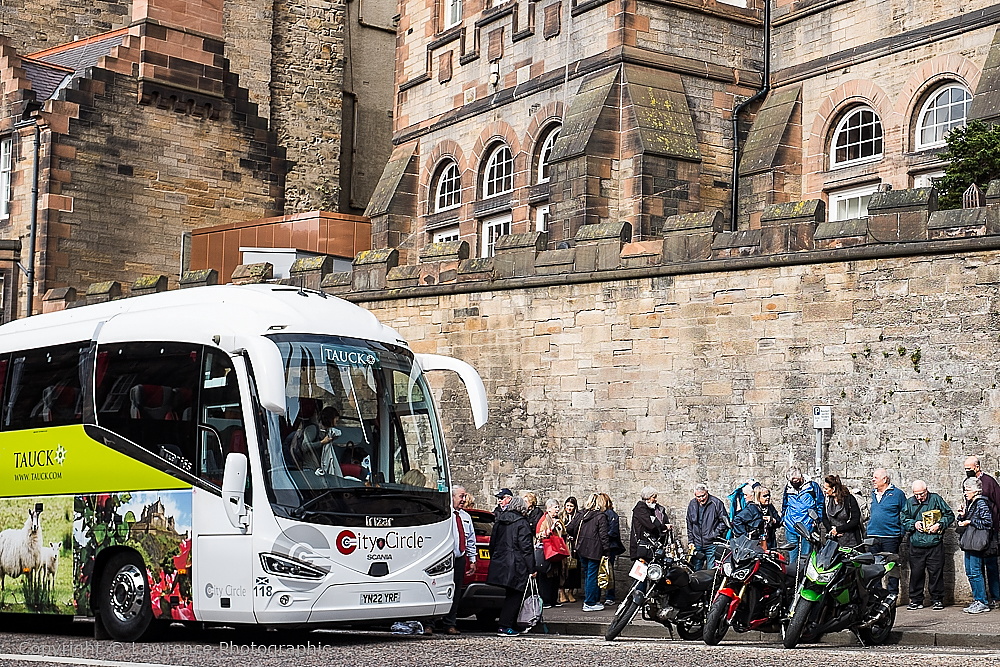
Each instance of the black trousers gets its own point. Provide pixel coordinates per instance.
(887, 545)
(548, 587)
(511, 607)
(451, 618)
(929, 561)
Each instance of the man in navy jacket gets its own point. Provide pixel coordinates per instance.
(706, 521)
(885, 526)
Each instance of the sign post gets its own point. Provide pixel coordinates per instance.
(822, 419)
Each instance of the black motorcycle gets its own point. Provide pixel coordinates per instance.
(754, 591)
(841, 590)
(667, 590)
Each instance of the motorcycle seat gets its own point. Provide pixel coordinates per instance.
(702, 580)
(873, 571)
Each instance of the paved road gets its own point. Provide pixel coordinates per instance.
(224, 648)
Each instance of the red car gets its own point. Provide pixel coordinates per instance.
(479, 598)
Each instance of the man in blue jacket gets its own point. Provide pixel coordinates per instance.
(885, 526)
(799, 498)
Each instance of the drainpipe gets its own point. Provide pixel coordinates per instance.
(29, 270)
(760, 94)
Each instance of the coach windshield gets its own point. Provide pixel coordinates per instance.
(359, 440)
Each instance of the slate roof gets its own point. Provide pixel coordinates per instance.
(52, 69)
(46, 79)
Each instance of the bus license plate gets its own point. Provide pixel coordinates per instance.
(380, 598)
(638, 571)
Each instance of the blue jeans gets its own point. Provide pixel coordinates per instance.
(992, 577)
(703, 558)
(588, 571)
(802, 548)
(975, 570)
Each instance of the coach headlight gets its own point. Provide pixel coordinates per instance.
(654, 572)
(285, 566)
(446, 564)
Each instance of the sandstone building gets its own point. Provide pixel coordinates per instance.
(158, 118)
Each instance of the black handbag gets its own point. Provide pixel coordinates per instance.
(974, 539)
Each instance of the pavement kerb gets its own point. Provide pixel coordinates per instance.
(905, 638)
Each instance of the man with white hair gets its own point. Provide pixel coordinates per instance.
(706, 521)
(991, 492)
(885, 525)
(464, 552)
(925, 517)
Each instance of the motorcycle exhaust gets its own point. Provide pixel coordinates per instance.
(880, 611)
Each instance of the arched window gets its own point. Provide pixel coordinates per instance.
(858, 138)
(447, 188)
(545, 154)
(498, 174)
(944, 110)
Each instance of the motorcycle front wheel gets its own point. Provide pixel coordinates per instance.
(803, 610)
(879, 633)
(623, 616)
(715, 623)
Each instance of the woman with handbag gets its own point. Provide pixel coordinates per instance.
(591, 529)
(550, 534)
(512, 561)
(569, 577)
(975, 525)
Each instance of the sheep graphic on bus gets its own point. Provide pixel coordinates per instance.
(36, 555)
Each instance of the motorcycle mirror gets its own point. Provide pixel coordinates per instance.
(865, 559)
(868, 541)
(813, 515)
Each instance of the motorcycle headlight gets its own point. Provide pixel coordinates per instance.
(813, 574)
(727, 569)
(654, 572)
(446, 564)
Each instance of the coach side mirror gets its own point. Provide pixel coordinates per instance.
(234, 484)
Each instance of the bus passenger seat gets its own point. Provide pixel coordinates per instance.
(59, 403)
(152, 401)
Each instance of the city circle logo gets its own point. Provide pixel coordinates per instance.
(209, 590)
(347, 542)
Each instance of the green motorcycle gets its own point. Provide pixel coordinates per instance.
(841, 590)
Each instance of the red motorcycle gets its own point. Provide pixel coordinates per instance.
(753, 594)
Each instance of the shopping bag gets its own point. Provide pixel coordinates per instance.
(531, 605)
(555, 548)
(605, 576)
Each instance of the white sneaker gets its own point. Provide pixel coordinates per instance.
(977, 608)
(593, 607)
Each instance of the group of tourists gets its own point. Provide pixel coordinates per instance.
(569, 548)
(892, 518)
(565, 546)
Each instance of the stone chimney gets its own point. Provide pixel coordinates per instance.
(181, 61)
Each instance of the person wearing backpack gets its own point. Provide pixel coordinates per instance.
(801, 497)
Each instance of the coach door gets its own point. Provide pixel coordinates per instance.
(223, 576)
